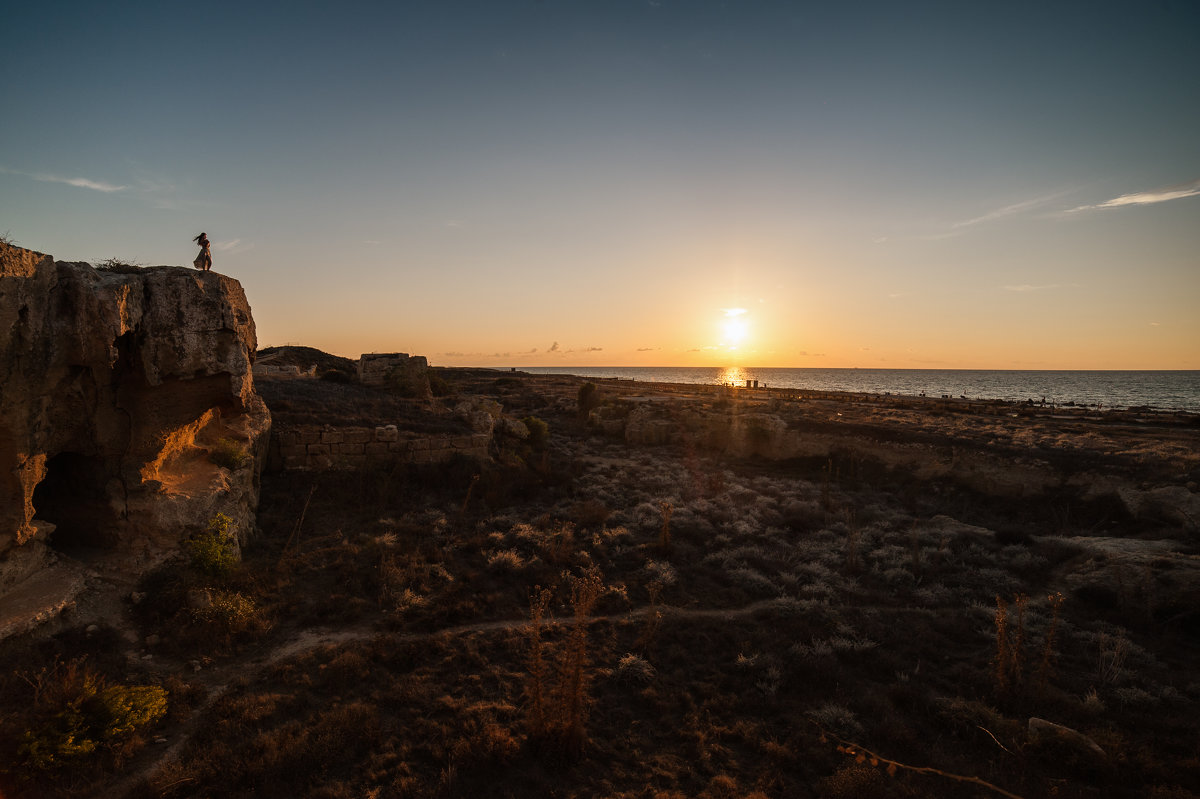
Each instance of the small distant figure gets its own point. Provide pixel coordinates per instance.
(204, 259)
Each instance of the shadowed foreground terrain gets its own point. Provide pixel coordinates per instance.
(686, 615)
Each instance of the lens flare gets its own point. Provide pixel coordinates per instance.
(735, 328)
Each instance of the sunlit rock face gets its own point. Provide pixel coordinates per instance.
(114, 388)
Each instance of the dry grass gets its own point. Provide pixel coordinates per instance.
(815, 589)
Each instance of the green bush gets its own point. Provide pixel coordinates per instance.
(589, 398)
(215, 551)
(73, 713)
(229, 454)
(539, 432)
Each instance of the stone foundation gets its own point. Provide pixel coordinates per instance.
(321, 448)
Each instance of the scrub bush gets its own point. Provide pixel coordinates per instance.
(229, 454)
(215, 551)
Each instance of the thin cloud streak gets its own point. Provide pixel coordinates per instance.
(1027, 287)
(1152, 197)
(1007, 210)
(82, 183)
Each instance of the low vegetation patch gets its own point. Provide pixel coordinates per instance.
(607, 620)
(229, 454)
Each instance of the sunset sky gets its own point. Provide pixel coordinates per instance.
(999, 185)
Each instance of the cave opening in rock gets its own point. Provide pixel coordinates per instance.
(72, 496)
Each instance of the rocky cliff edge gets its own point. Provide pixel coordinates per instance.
(116, 388)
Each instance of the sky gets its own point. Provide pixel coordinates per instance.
(995, 185)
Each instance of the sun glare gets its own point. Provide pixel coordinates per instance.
(735, 328)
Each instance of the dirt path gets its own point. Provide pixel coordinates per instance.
(218, 680)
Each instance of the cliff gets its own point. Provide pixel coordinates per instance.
(115, 388)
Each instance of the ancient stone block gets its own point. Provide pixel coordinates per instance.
(387, 433)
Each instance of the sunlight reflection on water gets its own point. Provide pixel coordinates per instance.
(1178, 390)
(732, 374)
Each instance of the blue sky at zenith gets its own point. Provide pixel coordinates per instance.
(996, 185)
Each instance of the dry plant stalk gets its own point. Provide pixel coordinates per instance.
(653, 617)
(1002, 645)
(914, 549)
(535, 688)
(1010, 644)
(853, 535)
(295, 536)
(562, 543)
(467, 498)
(558, 716)
(573, 681)
(1056, 600)
(664, 535)
(1113, 651)
(1020, 601)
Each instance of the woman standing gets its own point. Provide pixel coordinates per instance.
(204, 259)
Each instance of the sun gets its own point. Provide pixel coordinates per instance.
(735, 328)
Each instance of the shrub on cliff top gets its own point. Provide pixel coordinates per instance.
(119, 266)
(229, 454)
(215, 551)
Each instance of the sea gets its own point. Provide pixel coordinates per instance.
(1156, 390)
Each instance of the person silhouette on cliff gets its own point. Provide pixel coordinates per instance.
(204, 259)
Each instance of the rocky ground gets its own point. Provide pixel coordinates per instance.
(677, 591)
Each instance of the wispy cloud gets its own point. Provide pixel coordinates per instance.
(233, 246)
(1007, 210)
(553, 347)
(1166, 194)
(1027, 287)
(646, 349)
(963, 226)
(82, 183)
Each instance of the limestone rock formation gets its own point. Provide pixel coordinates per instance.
(115, 386)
